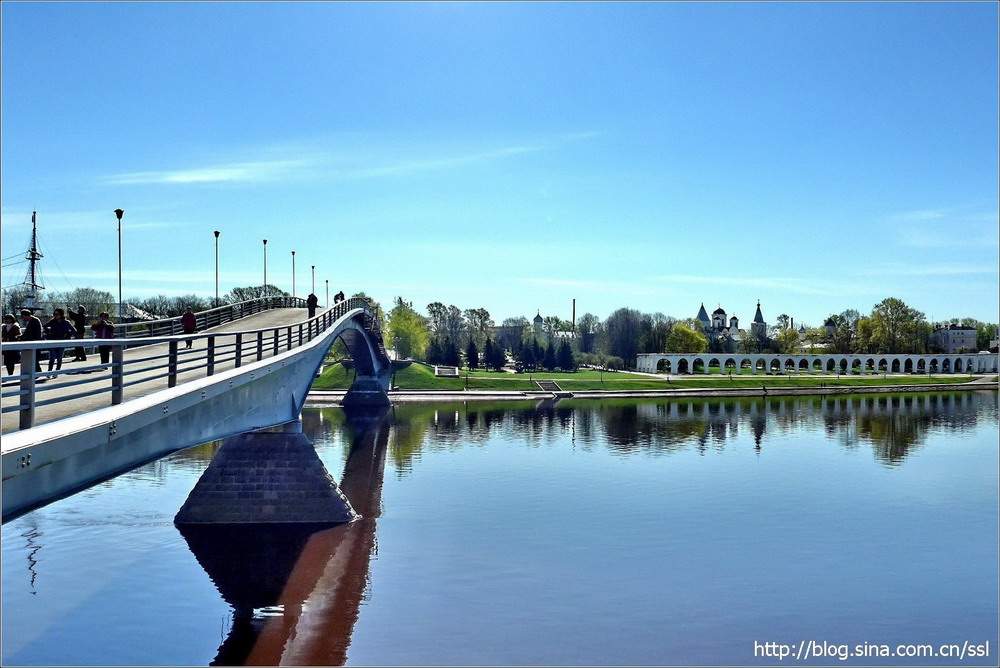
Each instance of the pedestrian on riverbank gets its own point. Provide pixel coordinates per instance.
(190, 325)
(11, 333)
(58, 328)
(103, 329)
(312, 301)
(32, 331)
(79, 318)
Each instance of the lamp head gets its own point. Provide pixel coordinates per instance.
(216, 233)
(119, 213)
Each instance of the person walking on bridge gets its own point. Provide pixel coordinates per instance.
(79, 318)
(103, 329)
(190, 325)
(11, 333)
(32, 331)
(58, 329)
(312, 301)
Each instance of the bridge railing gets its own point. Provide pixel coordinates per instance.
(212, 317)
(164, 361)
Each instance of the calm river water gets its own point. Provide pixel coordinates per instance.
(586, 532)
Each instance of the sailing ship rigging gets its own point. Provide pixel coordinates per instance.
(31, 287)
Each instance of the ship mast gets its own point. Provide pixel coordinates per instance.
(33, 256)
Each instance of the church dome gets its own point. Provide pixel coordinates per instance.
(719, 311)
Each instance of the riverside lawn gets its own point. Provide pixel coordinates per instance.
(418, 376)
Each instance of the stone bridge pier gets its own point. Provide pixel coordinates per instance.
(266, 477)
(373, 372)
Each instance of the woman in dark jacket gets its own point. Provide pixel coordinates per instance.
(11, 333)
(79, 318)
(32, 331)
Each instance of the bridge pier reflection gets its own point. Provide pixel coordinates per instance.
(296, 590)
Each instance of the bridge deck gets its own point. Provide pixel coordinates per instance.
(273, 318)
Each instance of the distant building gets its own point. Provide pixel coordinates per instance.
(830, 326)
(723, 335)
(954, 338)
(758, 327)
(509, 336)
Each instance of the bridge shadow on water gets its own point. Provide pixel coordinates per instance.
(296, 589)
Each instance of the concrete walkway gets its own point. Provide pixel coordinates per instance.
(53, 387)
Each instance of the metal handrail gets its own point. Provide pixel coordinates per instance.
(220, 347)
(210, 317)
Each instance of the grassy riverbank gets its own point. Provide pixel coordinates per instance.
(421, 377)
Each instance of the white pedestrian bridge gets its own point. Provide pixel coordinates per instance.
(251, 369)
(704, 363)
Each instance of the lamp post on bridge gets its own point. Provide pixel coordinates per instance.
(121, 307)
(216, 233)
(293, 274)
(327, 302)
(264, 287)
(313, 291)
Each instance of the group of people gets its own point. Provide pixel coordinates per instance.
(57, 328)
(312, 302)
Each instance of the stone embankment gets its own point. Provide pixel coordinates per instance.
(321, 397)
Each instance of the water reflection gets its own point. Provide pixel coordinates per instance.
(892, 426)
(104, 576)
(249, 565)
(32, 546)
(295, 590)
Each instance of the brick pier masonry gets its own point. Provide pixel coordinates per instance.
(266, 478)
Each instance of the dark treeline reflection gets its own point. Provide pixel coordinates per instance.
(891, 424)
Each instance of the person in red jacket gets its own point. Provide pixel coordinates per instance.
(190, 325)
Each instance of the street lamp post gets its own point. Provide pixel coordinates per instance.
(121, 307)
(327, 302)
(293, 274)
(313, 291)
(216, 233)
(264, 287)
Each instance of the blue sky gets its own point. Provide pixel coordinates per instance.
(815, 156)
